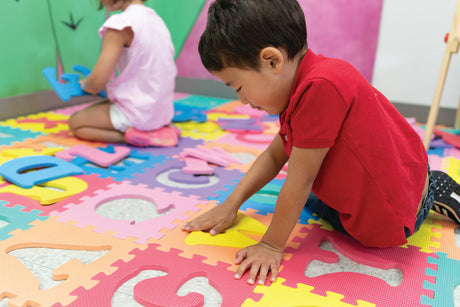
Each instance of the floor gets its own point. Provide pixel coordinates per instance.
(118, 241)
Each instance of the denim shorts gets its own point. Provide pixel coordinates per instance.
(332, 216)
(426, 205)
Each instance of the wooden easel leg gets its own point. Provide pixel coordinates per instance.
(453, 43)
(434, 110)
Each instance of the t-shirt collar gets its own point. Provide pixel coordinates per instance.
(304, 67)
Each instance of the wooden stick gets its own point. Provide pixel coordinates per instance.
(452, 46)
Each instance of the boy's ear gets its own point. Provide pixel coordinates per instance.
(273, 58)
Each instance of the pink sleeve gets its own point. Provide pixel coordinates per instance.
(117, 22)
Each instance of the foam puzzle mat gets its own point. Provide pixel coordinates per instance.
(59, 247)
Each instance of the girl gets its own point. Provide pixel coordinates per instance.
(139, 108)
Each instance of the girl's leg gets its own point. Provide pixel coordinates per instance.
(325, 212)
(93, 124)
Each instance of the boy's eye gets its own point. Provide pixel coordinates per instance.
(238, 90)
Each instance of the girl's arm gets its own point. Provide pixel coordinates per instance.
(265, 168)
(113, 43)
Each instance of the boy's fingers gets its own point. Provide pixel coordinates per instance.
(240, 256)
(241, 269)
(217, 229)
(255, 268)
(205, 225)
(273, 272)
(193, 226)
(263, 272)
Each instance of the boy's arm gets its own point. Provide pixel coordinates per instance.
(304, 165)
(113, 44)
(265, 168)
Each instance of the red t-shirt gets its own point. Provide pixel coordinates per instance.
(375, 170)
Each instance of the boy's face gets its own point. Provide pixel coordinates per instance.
(263, 90)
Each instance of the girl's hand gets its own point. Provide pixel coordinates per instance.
(82, 83)
(215, 220)
(260, 259)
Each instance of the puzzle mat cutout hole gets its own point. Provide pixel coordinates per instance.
(124, 295)
(131, 209)
(51, 259)
(316, 268)
(42, 261)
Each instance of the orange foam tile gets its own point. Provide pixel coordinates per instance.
(23, 287)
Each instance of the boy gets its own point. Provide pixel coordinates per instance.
(344, 140)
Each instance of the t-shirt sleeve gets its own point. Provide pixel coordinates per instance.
(116, 22)
(318, 116)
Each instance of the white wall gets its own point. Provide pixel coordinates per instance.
(410, 52)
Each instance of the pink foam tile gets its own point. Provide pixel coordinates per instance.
(170, 206)
(196, 166)
(94, 155)
(92, 182)
(28, 203)
(435, 162)
(161, 291)
(448, 137)
(452, 152)
(357, 286)
(259, 141)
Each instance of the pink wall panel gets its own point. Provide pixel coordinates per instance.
(343, 29)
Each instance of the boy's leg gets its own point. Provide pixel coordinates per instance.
(426, 206)
(446, 196)
(94, 124)
(325, 212)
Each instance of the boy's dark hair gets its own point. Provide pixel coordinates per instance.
(238, 30)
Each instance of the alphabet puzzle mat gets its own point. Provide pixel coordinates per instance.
(94, 224)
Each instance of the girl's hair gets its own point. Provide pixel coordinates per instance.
(101, 6)
(238, 30)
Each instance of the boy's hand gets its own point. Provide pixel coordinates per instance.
(260, 259)
(215, 220)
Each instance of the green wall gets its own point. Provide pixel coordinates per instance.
(35, 32)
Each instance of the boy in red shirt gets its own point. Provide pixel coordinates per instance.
(344, 140)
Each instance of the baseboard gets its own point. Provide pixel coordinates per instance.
(204, 87)
(446, 116)
(12, 107)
